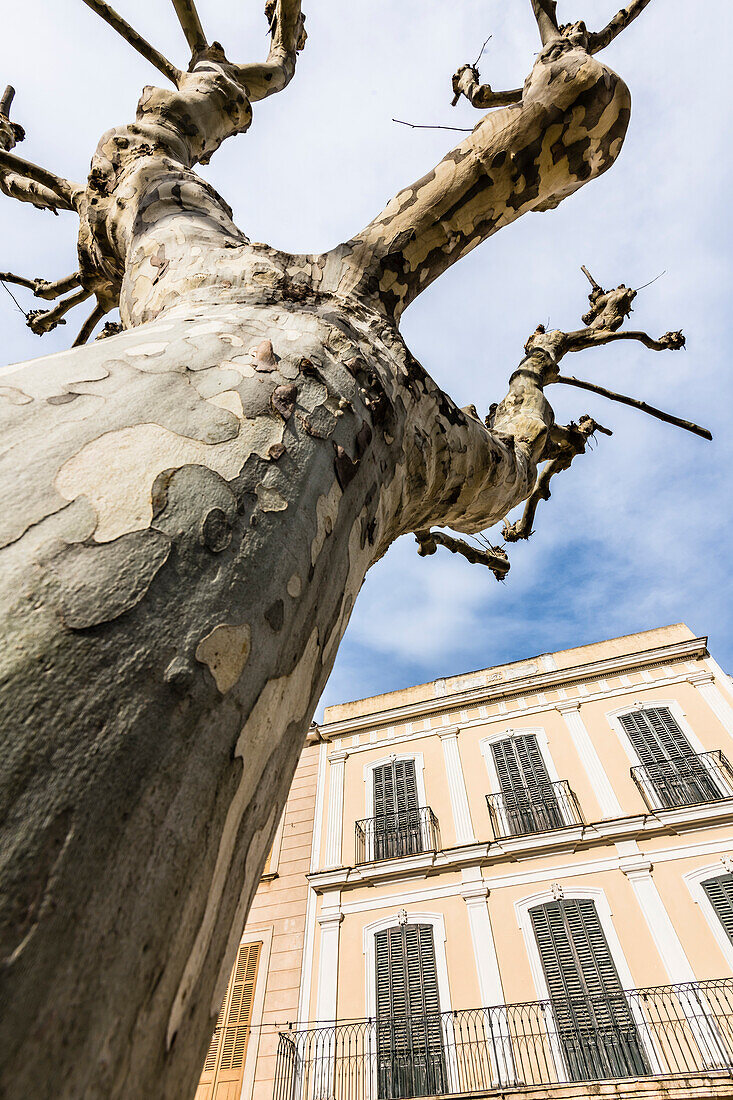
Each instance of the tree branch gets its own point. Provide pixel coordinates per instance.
(601, 39)
(493, 558)
(188, 17)
(42, 288)
(466, 82)
(546, 19)
(591, 338)
(66, 194)
(87, 328)
(41, 321)
(288, 38)
(106, 12)
(567, 129)
(668, 418)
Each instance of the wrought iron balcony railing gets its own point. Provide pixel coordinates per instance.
(705, 777)
(678, 1029)
(554, 806)
(390, 836)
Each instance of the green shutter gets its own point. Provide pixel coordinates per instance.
(409, 1031)
(529, 796)
(593, 1019)
(719, 891)
(656, 736)
(395, 788)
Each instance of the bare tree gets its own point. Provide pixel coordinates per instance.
(190, 508)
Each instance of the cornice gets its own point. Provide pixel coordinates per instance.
(573, 839)
(537, 682)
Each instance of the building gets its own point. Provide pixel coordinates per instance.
(516, 878)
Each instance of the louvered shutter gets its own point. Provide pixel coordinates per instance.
(223, 1070)
(529, 796)
(396, 810)
(409, 1032)
(676, 773)
(593, 1018)
(719, 891)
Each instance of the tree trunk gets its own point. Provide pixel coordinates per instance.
(190, 510)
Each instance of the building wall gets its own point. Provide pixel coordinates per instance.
(633, 861)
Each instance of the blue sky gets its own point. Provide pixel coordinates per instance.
(638, 533)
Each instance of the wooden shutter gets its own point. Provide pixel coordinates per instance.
(656, 736)
(223, 1070)
(395, 788)
(593, 1017)
(409, 1030)
(719, 891)
(520, 767)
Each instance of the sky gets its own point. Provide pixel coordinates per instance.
(638, 532)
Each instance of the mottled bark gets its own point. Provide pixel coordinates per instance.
(190, 509)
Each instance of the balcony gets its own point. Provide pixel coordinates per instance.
(705, 777)
(391, 836)
(517, 814)
(668, 1030)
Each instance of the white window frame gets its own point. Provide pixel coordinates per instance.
(694, 880)
(369, 777)
(605, 916)
(277, 843)
(437, 921)
(613, 717)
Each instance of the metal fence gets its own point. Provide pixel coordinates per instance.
(704, 777)
(679, 1029)
(553, 806)
(390, 836)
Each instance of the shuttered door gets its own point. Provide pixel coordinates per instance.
(595, 1026)
(397, 829)
(720, 895)
(676, 773)
(224, 1066)
(529, 797)
(409, 1034)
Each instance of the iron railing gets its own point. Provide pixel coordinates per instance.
(390, 836)
(679, 1029)
(705, 777)
(553, 806)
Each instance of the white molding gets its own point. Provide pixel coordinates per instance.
(694, 880)
(369, 781)
(306, 970)
(369, 932)
(491, 990)
(720, 676)
(258, 1003)
(335, 826)
(277, 843)
(328, 967)
(462, 822)
(670, 949)
(608, 802)
(714, 698)
(538, 681)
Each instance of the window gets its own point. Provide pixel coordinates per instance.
(410, 1057)
(670, 768)
(223, 1070)
(397, 821)
(595, 1027)
(719, 893)
(529, 799)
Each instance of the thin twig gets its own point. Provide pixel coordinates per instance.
(7, 99)
(481, 51)
(130, 35)
(17, 303)
(645, 285)
(424, 126)
(668, 418)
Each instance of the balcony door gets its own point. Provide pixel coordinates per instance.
(397, 827)
(410, 1055)
(530, 802)
(594, 1024)
(671, 766)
